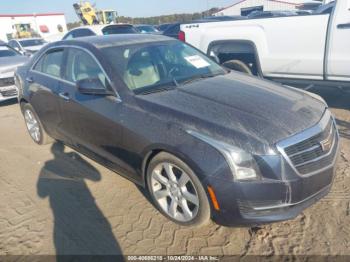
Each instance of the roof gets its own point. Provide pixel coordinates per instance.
(119, 40)
(23, 15)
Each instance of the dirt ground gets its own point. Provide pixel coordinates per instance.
(54, 201)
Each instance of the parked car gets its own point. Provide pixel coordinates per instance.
(224, 18)
(204, 141)
(163, 27)
(266, 14)
(9, 60)
(172, 30)
(94, 30)
(147, 29)
(27, 46)
(281, 48)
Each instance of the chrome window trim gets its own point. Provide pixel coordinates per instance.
(69, 82)
(308, 133)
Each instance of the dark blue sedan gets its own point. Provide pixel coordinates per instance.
(205, 142)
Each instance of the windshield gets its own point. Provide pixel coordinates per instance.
(32, 42)
(150, 66)
(5, 52)
(147, 29)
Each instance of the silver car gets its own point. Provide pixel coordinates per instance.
(10, 59)
(27, 46)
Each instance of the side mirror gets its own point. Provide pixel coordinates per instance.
(92, 86)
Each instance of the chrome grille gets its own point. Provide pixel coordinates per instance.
(9, 93)
(316, 150)
(9, 81)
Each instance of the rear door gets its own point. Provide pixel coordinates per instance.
(43, 81)
(338, 60)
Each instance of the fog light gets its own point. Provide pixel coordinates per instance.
(245, 173)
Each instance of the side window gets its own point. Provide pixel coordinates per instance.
(83, 33)
(69, 36)
(14, 45)
(50, 63)
(81, 65)
(11, 43)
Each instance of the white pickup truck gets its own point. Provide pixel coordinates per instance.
(302, 49)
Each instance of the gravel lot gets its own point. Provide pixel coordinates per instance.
(55, 201)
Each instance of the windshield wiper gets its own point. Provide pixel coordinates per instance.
(198, 78)
(157, 90)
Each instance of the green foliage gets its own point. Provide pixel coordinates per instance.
(163, 19)
(70, 26)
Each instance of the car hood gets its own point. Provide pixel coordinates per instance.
(241, 110)
(9, 64)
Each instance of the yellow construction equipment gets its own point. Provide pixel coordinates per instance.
(22, 31)
(90, 16)
(107, 16)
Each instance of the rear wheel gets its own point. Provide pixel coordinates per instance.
(34, 126)
(176, 191)
(238, 65)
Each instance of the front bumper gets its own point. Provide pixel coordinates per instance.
(8, 92)
(284, 190)
(253, 203)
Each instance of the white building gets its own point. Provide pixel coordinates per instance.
(46, 25)
(244, 7)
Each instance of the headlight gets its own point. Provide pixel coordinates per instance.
(241, 163)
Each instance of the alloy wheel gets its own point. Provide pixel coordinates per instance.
(32, 125)
(175, 192)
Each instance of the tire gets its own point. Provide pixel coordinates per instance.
(34, 125)
(166, 193)
(239, 66)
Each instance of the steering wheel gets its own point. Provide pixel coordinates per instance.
(173, 70)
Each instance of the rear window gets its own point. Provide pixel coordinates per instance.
(32, 42)
(113, 30)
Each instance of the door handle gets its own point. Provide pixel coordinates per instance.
(344, 26)
(30, 79)
(64, 96)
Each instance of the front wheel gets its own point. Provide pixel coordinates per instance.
(176, 191)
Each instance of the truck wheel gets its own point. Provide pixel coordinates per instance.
(238, 65)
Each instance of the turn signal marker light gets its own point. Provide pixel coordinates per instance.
(213, 198)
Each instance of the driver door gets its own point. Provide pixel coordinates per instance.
(92, 121)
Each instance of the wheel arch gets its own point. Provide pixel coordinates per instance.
(22, 102)
(157, 149)
(235, 47)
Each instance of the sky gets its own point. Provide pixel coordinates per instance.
(133, 8)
